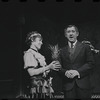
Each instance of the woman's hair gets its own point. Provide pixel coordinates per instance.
(31, 36)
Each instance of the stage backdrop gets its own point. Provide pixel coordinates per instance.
(17, 19)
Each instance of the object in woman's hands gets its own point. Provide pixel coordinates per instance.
(55, 65)
(58, 65)
(54, 51)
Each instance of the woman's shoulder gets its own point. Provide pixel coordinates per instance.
(28, 54)
(29, 51)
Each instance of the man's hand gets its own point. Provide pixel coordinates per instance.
(72, 73)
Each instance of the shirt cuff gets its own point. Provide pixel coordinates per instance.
(78, 74)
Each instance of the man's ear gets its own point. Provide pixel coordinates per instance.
(77, 33)
(65, 35)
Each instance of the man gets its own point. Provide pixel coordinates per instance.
(77, 61)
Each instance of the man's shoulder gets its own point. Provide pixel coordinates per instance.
(86, 45)
(83, 44)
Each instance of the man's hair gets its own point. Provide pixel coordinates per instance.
(71, 26)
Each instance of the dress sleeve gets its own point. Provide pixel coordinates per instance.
(29, 60)
(30, 63)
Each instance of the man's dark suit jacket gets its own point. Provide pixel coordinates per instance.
(82, 61)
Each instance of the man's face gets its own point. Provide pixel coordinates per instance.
(71, 34)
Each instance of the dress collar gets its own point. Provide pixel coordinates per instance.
(34, 49)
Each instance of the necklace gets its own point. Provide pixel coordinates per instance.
(34, 49)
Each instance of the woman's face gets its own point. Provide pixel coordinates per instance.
(38, 43)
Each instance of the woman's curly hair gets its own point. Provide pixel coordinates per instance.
(31, 36)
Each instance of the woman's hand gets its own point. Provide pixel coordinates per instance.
(55, 65)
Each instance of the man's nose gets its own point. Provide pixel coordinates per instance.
(71, 33)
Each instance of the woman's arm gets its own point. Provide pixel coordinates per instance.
(33, 71)
(53, 66)
(30, 63)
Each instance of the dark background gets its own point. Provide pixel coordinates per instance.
(49, 18)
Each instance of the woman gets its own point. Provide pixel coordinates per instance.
(37, 68)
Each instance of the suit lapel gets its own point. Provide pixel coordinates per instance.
(77, 50)
(66, 52)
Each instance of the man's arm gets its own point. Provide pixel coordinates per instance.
(85, 69)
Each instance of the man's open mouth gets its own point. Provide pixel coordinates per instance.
(70, 37)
